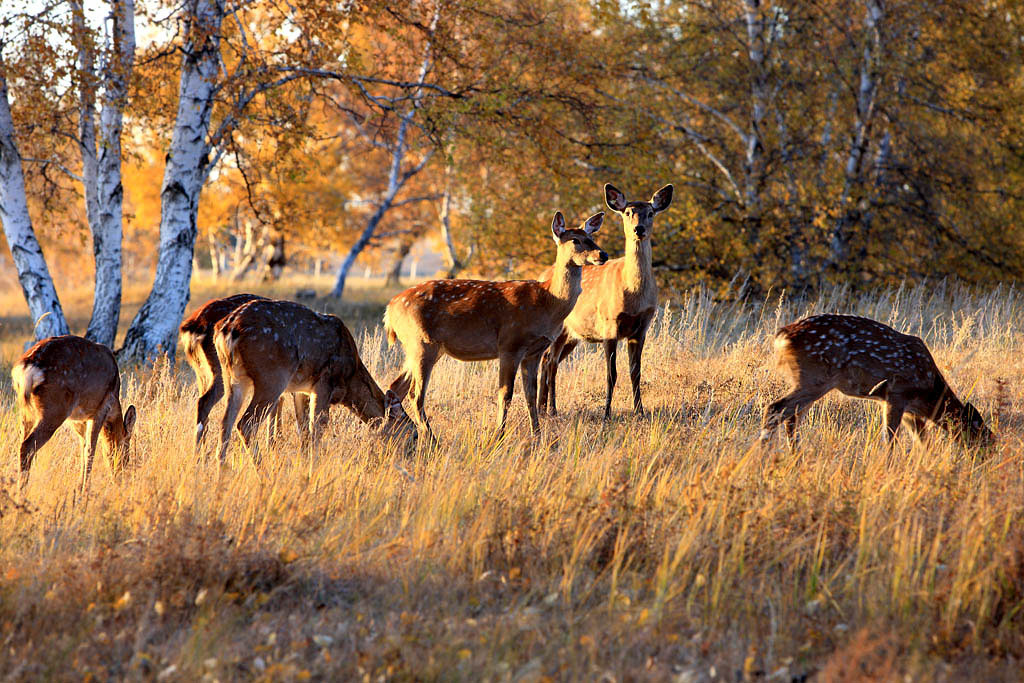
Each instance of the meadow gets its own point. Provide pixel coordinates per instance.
(665, 548)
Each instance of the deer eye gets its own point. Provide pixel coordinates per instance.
(576, 242)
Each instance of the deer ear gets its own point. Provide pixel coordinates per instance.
(129, 419)
(593, 224)
(558, 226)
(662, 198)
(616, 200)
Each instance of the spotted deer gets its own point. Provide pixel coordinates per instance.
(71, 378)
(618, 301)
(277, 346)
(866, 359)
(477, 320)
(197, 342)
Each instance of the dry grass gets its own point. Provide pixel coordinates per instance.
(633, 549)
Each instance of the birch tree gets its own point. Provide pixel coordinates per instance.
(101, 155)
(33, 273)
(154, 329)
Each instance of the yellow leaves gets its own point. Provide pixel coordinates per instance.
(123, 601)
(465, 654)
(287, 555)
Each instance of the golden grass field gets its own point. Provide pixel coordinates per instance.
(657, 549)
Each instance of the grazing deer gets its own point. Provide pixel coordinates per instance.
(866, 359)
(71, 378)
(278, 346)
(197, 341)
(618, 301)
(476, 320)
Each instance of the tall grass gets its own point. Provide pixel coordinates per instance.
(653, 549)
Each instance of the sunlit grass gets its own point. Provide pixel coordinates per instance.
(655, 549)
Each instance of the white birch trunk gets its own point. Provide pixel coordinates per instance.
(854, 173)
(34, 276)
(754, 161)
(155, 328)
(101, 163)
(396, 179)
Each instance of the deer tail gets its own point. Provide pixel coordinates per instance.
(392, 337)
(25, 378)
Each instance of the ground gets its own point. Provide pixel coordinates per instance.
(664, 548)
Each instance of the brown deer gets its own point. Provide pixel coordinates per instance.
(71, 378)
(866, 359)
(278, 346)
(476, 320)
(618, 301)
(197, 341)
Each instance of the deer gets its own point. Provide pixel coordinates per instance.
(197, 342)
(277, 346)
(479, 320)
(865, 359)
(71, 378)
(619, 300)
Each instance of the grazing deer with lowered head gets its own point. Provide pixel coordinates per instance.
(618, 301)
(866, 359)
(475, 320)
(197, 341)
(278, 346)
(71, 378)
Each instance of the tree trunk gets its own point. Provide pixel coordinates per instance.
(34, 276)
(155, 328)
(357, 248)
(395, 272)
(754, 167)
(866, 100)
(101, 166)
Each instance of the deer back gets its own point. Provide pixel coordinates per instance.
(473, 319)
(68, 373)
(197, 329)
(282, 341)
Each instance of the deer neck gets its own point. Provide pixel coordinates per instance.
(566, 281)
(636, 272)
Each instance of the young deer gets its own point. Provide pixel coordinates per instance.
(866, 359)
(278, 346)
(197, 341)
(71, 378)
(475, 320)
(618, 301)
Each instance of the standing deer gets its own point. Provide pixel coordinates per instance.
(197, 341)
(618, 301)
(866, 359)
(278, 346)
(476, 320)
(71, 378)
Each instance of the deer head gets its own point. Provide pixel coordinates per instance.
(576, 245)
(119, 435)
(637, 217)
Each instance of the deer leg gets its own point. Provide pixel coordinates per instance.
(917, 425)
(788, 409)
(321, 413)
(893, 417)
(528, 374)
(301, 404)
(212, 392)
(507, 365)
(635, 349)
(263, 404)
(40, 434)
(610, 349)
(545, 375)
(418, 368)
(92, 430)
(235, 396)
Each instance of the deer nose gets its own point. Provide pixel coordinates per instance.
(640, 231)
(603, 257)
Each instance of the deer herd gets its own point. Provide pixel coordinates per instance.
(247, 344)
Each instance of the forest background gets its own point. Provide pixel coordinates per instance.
(810, 142)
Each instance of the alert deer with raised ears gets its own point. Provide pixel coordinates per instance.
(618, 301)
(477, 320)
(866, 359)
(272, 347)
(71, 378)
